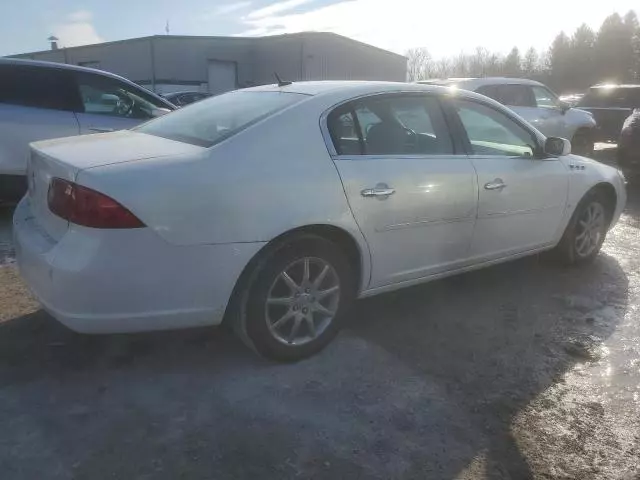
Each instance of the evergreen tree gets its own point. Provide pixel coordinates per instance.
(512, 64)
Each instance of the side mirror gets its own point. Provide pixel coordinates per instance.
(557, 147)
(158, 112)
(563, 107)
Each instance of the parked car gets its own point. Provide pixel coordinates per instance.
(180, 99)
(274, 207)
(42, 100)
(610, 106)
(537, 104)
(628, 151)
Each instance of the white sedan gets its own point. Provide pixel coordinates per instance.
(272, 208)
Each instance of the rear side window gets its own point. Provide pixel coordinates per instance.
(38, 87)
(390, 125)
(210, 121)
(490, 91)
(515, 95)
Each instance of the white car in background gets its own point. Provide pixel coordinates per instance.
(274, 207)
(534, 102)
(42, 100)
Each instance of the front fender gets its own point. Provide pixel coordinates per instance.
(585, 175)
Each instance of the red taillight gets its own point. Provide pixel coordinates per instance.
(83, 206)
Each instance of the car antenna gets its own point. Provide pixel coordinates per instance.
(281, 83)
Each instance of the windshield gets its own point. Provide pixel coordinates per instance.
(210, 121)
(614, 97)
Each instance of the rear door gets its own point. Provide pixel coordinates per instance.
(412, 192)
(108, 104)
(522, 199)
(36, 103)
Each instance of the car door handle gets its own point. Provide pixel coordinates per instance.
(379, 191)
(497, 184)
(101, 129)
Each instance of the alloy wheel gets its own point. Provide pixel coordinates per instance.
(302, 301)
(590, 229)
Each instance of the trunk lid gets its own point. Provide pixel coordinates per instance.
(40, 171)
(66, 157)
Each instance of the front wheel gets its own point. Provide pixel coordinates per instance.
(296, 301)
(585, 234)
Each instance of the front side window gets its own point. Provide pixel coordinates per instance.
(490, 91)
(108, 96)
(544, 97)
(515, 95)
(391, 125)
(491, 132)
(210, 121)
(38, 87)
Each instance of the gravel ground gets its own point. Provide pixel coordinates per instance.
(524, 370)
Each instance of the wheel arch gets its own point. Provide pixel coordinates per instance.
(609, 195)
(357, 253)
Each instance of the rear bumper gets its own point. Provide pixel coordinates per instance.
(112, 281)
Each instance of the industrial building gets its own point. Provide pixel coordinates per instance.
(166, 63)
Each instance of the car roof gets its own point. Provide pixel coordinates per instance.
(330, 93)
(58, 66)
(480, 82)
(348, 87)
(613, 86)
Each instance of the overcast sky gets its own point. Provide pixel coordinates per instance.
(444, 27)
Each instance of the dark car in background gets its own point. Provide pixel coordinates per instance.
(180, 99)
(629, 146)
(610, 106)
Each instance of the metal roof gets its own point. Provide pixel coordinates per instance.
(204, 37)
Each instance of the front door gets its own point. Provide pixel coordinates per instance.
(554, 119)
(522, 198)
(108, 104)
(413, 196)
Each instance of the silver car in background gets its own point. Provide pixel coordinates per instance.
(42, 100)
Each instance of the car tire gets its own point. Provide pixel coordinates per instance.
(582, 143)
(586, 231)
(296, 299)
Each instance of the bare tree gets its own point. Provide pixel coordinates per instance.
(419, 64)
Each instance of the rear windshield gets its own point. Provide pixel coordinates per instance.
(614, 97)
(210, 121)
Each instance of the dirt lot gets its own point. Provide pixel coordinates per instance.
(525, 370)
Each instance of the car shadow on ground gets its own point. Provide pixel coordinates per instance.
(494, 340)
(421, 382)
(441, 369)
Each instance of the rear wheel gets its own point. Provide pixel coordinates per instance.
(582, 143)
(586, 232)
(296, 300)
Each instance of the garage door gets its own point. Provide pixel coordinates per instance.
(222, 76)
